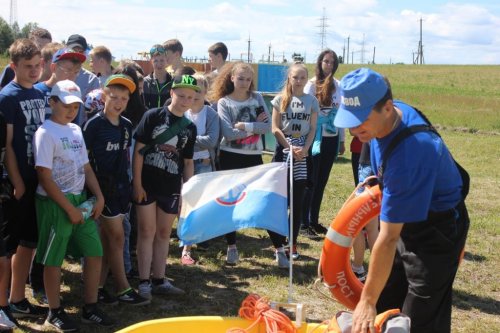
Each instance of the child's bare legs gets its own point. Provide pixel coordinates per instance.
(153, 240)
(359, 247)
(91, 274)
(372, 232)
(112, 237)
(4, 280)
(52, 284)
(146, 230)
(21, 263)
(161, 243)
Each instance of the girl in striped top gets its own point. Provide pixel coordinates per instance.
(294, 125)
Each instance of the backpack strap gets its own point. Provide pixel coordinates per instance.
(406, 132)
(166, 135)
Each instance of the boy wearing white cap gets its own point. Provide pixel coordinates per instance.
(63, 170)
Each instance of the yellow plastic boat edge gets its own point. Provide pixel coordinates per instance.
(206, 324)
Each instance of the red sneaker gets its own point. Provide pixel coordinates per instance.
(295, 254)
(187, 260)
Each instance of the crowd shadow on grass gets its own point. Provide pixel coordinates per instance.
(474, 257)
(343, 159)
(212, 288)
(466, 301)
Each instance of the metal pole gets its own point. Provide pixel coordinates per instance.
(348, 37)
(290, 239)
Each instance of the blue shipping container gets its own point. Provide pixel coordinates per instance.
(271, 77)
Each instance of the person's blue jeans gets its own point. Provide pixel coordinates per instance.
(202, 166)
(364, 171)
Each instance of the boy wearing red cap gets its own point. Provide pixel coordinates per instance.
(66, 65)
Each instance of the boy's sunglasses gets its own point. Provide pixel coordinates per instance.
(155, 50)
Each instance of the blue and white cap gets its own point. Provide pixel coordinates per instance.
(360, 90)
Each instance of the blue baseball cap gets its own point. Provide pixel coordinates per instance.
(360, 90)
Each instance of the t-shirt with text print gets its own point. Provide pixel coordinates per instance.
(24, 109)
(61, 148)
(103, 140)
(164, 163)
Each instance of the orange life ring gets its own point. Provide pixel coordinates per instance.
(335, 265)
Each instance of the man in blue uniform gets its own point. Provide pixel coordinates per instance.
(423, 218)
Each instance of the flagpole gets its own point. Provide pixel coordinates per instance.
(290, 238)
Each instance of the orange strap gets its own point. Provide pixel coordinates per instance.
(380, 319)
(257, 308)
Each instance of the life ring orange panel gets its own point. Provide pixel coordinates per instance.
(335, 262)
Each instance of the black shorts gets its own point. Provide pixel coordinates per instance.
(118, 202)
(20, 220)
(169, 204)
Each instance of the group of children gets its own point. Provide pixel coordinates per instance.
(62, 160)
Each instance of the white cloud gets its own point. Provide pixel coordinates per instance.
(452, 32)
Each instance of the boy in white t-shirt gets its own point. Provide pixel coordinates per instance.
(63, 170)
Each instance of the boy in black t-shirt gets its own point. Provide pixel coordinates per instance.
(23, 108)
(163, 158)
(6, 318)
(108, 138)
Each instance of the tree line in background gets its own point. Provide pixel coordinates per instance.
(9, 33)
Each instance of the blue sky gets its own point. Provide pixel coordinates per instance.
(454, 32)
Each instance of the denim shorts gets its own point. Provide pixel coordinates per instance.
(364, 171)
(202, 166)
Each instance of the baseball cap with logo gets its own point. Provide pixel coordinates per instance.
(93, 101)
(67, 53)
(67, 91)
(77, 41)
(185, 81)
(360, 90)
(121, 79)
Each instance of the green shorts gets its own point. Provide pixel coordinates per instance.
(57, 237)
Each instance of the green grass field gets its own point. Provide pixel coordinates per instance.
(463, 101)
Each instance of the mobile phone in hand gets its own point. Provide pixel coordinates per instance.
(259, 110)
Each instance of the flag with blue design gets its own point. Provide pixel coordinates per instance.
(216, 203)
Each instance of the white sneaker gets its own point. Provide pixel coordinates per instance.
(281, 259)
(5, 322)
(166, 288)
(144, 290)
(232, 256)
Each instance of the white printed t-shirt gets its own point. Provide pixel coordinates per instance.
(61, 148)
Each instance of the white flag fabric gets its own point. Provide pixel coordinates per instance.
(216, 203)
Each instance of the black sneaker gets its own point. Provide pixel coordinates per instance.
(96, 316)
(25, 309)
(61, 321)
(132, 274)
(133, 298)
(308, 232)
(104, 297)
(319, 229)
(6, 311)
